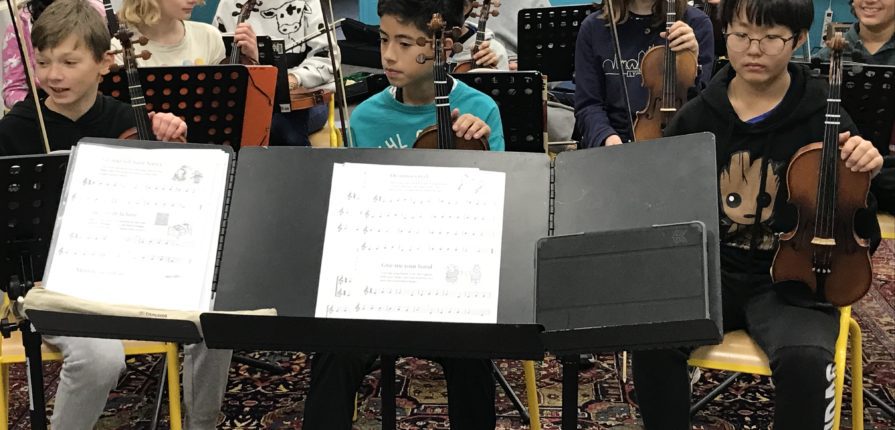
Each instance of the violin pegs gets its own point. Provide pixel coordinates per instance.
(144, 55)
(422, 41)
(457, 48)
(495, 12)
(115, 68)
(142, 40)
(422, 58)
(474, 14)
(456, 32)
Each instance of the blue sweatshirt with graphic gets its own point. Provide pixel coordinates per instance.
(600, 109)
(383, 122)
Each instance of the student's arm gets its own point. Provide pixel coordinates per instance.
(15, 86)
(702, 28)
(317, 69)
(590, 88)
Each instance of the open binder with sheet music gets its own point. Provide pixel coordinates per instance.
(135, 249)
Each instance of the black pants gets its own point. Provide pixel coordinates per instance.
(294, 128)
(335, 379)
(798, 335)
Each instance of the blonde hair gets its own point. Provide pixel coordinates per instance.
(142, 13)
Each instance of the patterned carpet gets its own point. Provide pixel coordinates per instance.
(258, 401)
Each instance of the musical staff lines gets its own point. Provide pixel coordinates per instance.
(412, 243)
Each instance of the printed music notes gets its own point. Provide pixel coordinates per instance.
(412, 243)
(139, 226)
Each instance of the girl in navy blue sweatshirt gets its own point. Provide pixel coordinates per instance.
(600, 111)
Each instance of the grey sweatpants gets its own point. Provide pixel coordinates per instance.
(91, 368)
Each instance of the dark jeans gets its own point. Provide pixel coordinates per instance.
(293, 128)
(335, 379)
(799, 340)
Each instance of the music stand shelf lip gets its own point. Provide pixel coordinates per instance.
(114, 327)
(379, 336)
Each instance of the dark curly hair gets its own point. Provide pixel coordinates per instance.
(419, 12)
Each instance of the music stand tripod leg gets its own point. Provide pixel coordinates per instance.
(32, 341)
(514, 398)
(387, 382)
(570, 365)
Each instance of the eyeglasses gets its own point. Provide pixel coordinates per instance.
(770, 44)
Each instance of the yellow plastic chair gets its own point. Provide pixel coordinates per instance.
(12, 351)
(739, 353)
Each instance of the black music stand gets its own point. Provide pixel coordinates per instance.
(276, 263)
(868, 95)
(645, 191)
(32, 186)
(210, 99)
(116, 327)
(520, 97)
(547, 38)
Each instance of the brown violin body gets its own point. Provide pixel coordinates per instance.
(663, 102)
(428, 139)
(468, 66)
(301, 98)
(801, 255)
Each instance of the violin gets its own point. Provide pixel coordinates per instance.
(483, 14)
(441, 135)
(667, 75)
(236, 55)
(823, 251)
(143, 130)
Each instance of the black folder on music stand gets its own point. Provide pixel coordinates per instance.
(547, 38)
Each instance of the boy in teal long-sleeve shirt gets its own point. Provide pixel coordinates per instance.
(394, 117)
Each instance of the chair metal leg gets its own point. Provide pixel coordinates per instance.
(721, 388)
(531, 389)
(514, 398)
(173, 365)
(4, 397)
(857, 383)
(160, 394)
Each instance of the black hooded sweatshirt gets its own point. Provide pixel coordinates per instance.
(752, 162)
(20, 133)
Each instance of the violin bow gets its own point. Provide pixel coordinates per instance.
(621, 64)
(328, 18)
(16, 15)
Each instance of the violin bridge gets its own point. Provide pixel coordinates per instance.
(823, 241)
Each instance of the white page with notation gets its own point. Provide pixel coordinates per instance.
(412, 243)
(139, 226)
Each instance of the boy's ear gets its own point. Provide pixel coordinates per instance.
(106, 62)
(803, 36)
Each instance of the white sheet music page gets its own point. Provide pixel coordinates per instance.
(412, 243)
(139, 226)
